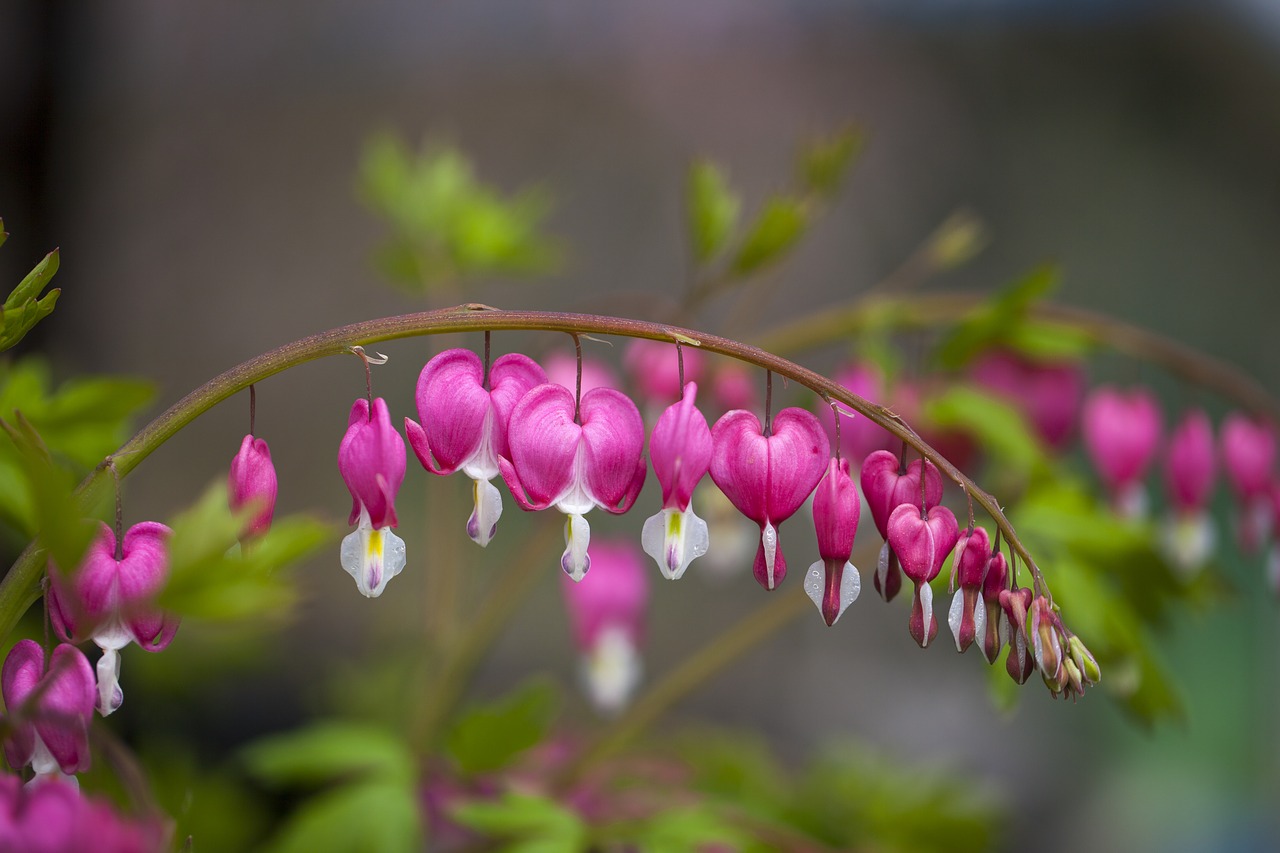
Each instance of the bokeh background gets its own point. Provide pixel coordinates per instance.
(196, 164)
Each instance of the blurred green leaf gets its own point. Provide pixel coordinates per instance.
(824, 162)
(780, 224)
(24, 307)
(688, 828)
(330, 751)
(487, 738)
(446, 225)
(61, 528)
(992, 322)
(376, 816)
(713, 209)
(212, 577)
(998, 426)
(1046, 341)
(535, 822)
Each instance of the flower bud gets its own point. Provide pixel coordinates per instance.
(833, 582)
(1121, 434)
(251, 482)
(968, 616)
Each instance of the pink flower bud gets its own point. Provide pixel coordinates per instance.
(680, 449)
(1248, 455)
(49, 711)
(1190, 464)
(1121, 433)
(252, 483)
(575, 461)
(1046, 646)
(967, 617)
(1020, 663)
(995, 631)
(833, 582)
(768, 477)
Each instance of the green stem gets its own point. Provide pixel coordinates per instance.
(20, 586)
(754, 628)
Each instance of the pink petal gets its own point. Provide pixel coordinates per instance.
(65, 708)
(252, 478)
(613, 441)
(836, 508)
(371, 459)
(912, 538)
(543, 440)
(1248, 455)
(452, 404)
(510, 378)
(1191, 463)
(1121, 433)
(740, 463)
(680, 449)
(614, 593)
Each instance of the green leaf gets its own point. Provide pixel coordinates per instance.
(688, 828)
(328, 751)
(992, 322)
(824, 162)
(775, 231)
(487, 738)
(212, 577)
(713, 209)
(998, 426)
(526, 817)
(34, 283)
(1046, 341)
(61, 528)
(23, 309)
(368, 817)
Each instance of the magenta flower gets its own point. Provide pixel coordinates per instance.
(654, 369)
(464, 423)
(1188, 534)
(1121, 433)
(768, 477)
(1248, 457)
(1048, 394)
(371, 460)
(833, 582)
(968, 615)
(53, 817)
(922, 539)
(680, 449)
(1021, 660)
(575, 461)
(887, 487)
(995, 632)
(252, 483)
(112, 601)
(49, 712)
(606, 612)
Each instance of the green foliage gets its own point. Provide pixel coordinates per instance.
(531, 822)
(446, 226)
(24, 307)
(998, 426)
(824, 162)
(713, 208)
(328, 752)
(211, 577)
(371, 816)
(780, 224)
(489, 737)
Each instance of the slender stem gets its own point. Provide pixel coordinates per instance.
(752, 629)
(487, 336)
(768, 403)
(253, 407)
(119, 528)
(680, 366)
(20, 586)
(577, 383)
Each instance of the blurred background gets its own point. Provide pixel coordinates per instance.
(197, 164)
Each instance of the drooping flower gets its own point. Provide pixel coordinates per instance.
(887, 487)
(680, 449)
(1188, 533)
(1021, 661)
(968, 615)
(1248, 457)
(922, 539)
(606, 612)
(111, 601)
(51, 816)
(1047, 393)
(252, 483)
(995, 631)
(372, 462)
(49, 711)
(833, 582)
(768, 477)
(654, 368)
(464, 423)
(1122, 433)
(575, 461)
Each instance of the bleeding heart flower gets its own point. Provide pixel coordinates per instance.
(607, 613)
(968, 616)
(464, 423)
(252, 482)
(995, 631)
(922, 541)
(372, 462)
(1249, 456)
(887, 487)
(575, 460)
(833, 583)
(1122, 433)
(1188, 534)
(1021, 662)
(768, 477)
(111, 600)
(48, 711)
(680, 449)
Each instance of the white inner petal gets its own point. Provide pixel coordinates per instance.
(769, 538)
(674, 539)
(110, 694)
(612, 669)
(955, 616)
(372, 557)
(926, 609)
(577, 536)
(488, 509)
(483, 463)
